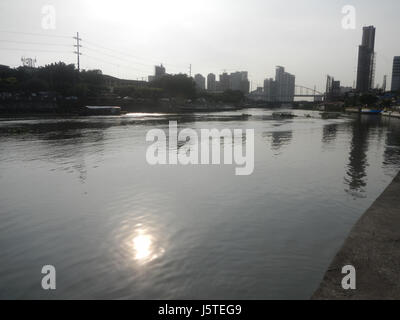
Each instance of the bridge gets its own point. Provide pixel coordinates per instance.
(300, 92)
(304, 92)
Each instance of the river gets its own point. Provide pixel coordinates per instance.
(78, 194)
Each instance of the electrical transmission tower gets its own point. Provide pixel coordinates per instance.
(78, 47)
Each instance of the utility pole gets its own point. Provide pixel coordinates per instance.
(190, 70)
(78, 51)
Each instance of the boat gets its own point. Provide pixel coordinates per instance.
(371, 111)
(286, 115)
(364, 111)
(101, 111)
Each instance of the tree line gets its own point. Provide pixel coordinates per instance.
(65, 80)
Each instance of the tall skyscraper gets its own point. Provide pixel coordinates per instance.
(285, 85)
(366, 60)
(200, 81)
(211, 85)
(396, 74)
(384, 83)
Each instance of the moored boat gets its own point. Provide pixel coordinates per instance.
(371, 111)
(364, 111)
(101, 111)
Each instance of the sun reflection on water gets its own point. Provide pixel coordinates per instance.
(144, 246)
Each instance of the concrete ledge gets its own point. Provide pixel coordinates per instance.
(373, 248)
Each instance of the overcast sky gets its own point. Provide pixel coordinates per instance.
(125, 38)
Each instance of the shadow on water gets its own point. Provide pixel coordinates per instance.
(392, 143)
(279, 139)
(364, 130)
(329, 133)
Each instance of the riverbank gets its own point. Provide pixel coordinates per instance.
(373, 248)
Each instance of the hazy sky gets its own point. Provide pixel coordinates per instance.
(125, 38)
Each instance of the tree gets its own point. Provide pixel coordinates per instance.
(368, 99)
(34, 85)
(179, 85)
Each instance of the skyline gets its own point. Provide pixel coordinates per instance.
(213, 37)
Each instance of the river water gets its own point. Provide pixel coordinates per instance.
(79, 194)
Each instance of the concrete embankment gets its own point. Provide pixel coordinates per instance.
(373, 248)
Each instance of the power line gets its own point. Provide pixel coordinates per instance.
(36, 34)
(36, 43)
(113, 63)
(153, 60)
(116, 57)
(120, 59)
(33, 50)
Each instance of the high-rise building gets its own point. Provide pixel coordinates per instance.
(239, 81)
(200, 81)
(281, 89)
(218, 86)
(284, 85)
(333, 89)
(211, 85)
(384, 84)
(245, 83)
(269, 89)
(235, 81)
(224, 82)
(159, 71)
(366, 60)
(396, 74)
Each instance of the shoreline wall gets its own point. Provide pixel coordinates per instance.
(373, 248)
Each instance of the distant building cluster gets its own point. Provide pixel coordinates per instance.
(365, 70)
(334, 90)
(234, 81)
(282, 88)
(366, 65)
